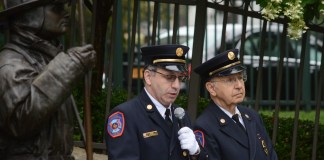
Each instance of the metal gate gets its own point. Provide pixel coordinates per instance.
(283, 74)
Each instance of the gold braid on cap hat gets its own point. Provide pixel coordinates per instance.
(222, 68)
(169, 60)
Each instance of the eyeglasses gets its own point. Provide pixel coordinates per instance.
(232, 80)
(172, 77)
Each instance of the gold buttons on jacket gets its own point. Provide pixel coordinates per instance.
(149, 107)
(184, 153)
(222, 121)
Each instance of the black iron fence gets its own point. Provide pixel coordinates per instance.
(283, 74)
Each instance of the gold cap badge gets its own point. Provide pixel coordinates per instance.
(231, 55)
(149, 107)
(179, 52)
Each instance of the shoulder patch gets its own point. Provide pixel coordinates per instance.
(116, 124)
(200, 137)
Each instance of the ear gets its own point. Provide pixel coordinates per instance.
(147, 77)
(211, 88)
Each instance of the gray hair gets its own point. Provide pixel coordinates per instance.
(150, 68)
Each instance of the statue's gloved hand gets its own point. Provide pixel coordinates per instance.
(86, 55)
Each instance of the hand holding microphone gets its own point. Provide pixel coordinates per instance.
(188, 140)
(186, 136)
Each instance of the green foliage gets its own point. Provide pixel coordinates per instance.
(182, 101)
(305, 133)
(298, 12)
(283, 144)
(303, 115)
(312, 8)
(98, 109)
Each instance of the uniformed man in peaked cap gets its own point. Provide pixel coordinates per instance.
(36, 77)
(145, 127)
(226, 130)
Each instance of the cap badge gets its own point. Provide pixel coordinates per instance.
(149, 107)
(231, 55)
(179, 52)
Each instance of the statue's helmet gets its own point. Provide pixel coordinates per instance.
(26, 13)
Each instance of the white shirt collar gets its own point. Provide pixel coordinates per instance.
(229, 114)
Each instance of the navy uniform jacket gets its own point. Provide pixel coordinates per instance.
(222, 138)
(143, 133)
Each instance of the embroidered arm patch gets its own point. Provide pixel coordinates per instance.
(200, 137)
(116, 124)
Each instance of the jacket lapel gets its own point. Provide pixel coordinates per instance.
(251, 130)
(154, 114)
(228, 126)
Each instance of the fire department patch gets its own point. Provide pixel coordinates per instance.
(200, 137)
(116, 124)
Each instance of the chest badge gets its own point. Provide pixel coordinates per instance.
(150, 134)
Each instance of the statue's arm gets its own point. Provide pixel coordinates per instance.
(29, 99)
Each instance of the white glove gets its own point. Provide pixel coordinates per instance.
(188, 140)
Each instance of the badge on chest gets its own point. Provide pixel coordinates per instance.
(150, 134)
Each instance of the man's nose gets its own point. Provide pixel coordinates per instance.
(176, 84)
(239, 83)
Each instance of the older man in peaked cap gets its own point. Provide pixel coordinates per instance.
(36, 75)
(226, 130)
(145, 127)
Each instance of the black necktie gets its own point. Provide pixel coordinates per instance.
(236, 119)
(167, 117)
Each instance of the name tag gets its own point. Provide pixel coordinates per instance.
(150, 134)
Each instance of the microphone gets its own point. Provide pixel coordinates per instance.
(180, 113)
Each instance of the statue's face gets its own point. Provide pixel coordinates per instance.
(56, 20)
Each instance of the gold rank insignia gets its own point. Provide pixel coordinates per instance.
(179, 52)
(150, 134)
(231, 55)
(149, 107)
(263, 144)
